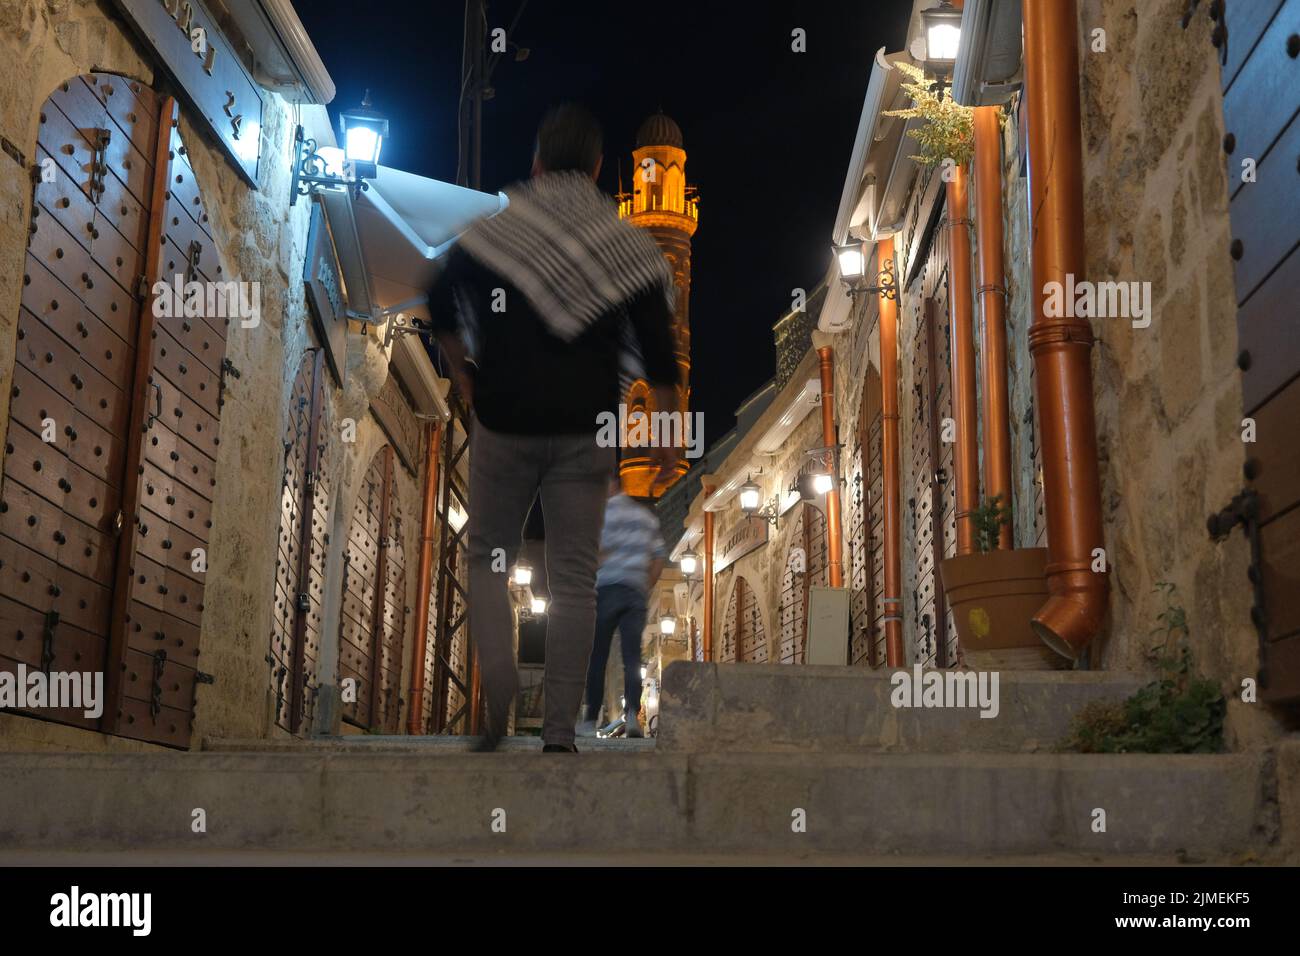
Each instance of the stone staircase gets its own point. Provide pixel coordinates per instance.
(758, 762)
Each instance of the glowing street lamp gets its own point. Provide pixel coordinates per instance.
(667, 625)
(751, 496)
(688, 562)
(539, 605)
(942, 31)
(852, 260)
(364, 131)
(523, 574)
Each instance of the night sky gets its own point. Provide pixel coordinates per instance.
(768, 132)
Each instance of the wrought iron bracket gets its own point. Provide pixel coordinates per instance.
(47, 639)
(886, 284)
(309, 170)
(1244, 510)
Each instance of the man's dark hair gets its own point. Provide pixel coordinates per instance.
(569, 138)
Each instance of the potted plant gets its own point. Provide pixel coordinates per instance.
(993, 594)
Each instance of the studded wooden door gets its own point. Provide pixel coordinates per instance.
(805, 568)
(306, 511)
(931, 502)
(865, 517)
(728, 633)
(751, 638)
(97, 575)
(374, 596)
(1260, 56)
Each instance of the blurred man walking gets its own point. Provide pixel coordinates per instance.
(543, 311)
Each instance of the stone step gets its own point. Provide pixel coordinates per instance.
(382, 743)
(433, 801)
(772, 708)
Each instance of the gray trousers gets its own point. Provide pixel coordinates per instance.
(506, 472)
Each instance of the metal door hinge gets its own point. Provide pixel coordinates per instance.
(1244, 510)
(155, 683)
(99, 164)
(47, 639)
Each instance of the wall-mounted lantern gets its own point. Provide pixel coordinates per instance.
(818, 476)
(538, 605)
(851, 260)
(688, 562)
(751, 503)
(941, 28)
(667, 625)
(363, 132)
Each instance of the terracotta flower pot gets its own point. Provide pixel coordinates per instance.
(993, 596)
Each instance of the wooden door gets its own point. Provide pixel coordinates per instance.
(1261, 72)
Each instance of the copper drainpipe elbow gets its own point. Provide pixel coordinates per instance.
(834, 542)
(891, 525)
(966, 454)
(707, 636)
(995, 404)
(424, 579)
(1061, 345)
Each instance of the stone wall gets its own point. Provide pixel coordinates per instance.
(1168, 397)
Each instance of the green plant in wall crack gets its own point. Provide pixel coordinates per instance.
(949, 128)
(989, 519)
(1179, 712)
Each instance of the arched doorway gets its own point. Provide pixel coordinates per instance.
(805, 568)
(373, 619)
(109, 473)
(743, 636)
(306, 515)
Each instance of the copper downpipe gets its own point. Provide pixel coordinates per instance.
(1061, 345)
(993, 325)
(966, 454)
(834, 534)
(424, 579)
(475, 692)
(707, 637)
(895, 656)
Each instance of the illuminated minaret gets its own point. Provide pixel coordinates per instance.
(662, 203)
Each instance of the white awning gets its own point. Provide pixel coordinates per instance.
(403, 223)
(388, 241)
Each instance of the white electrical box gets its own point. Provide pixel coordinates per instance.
(828, 626)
